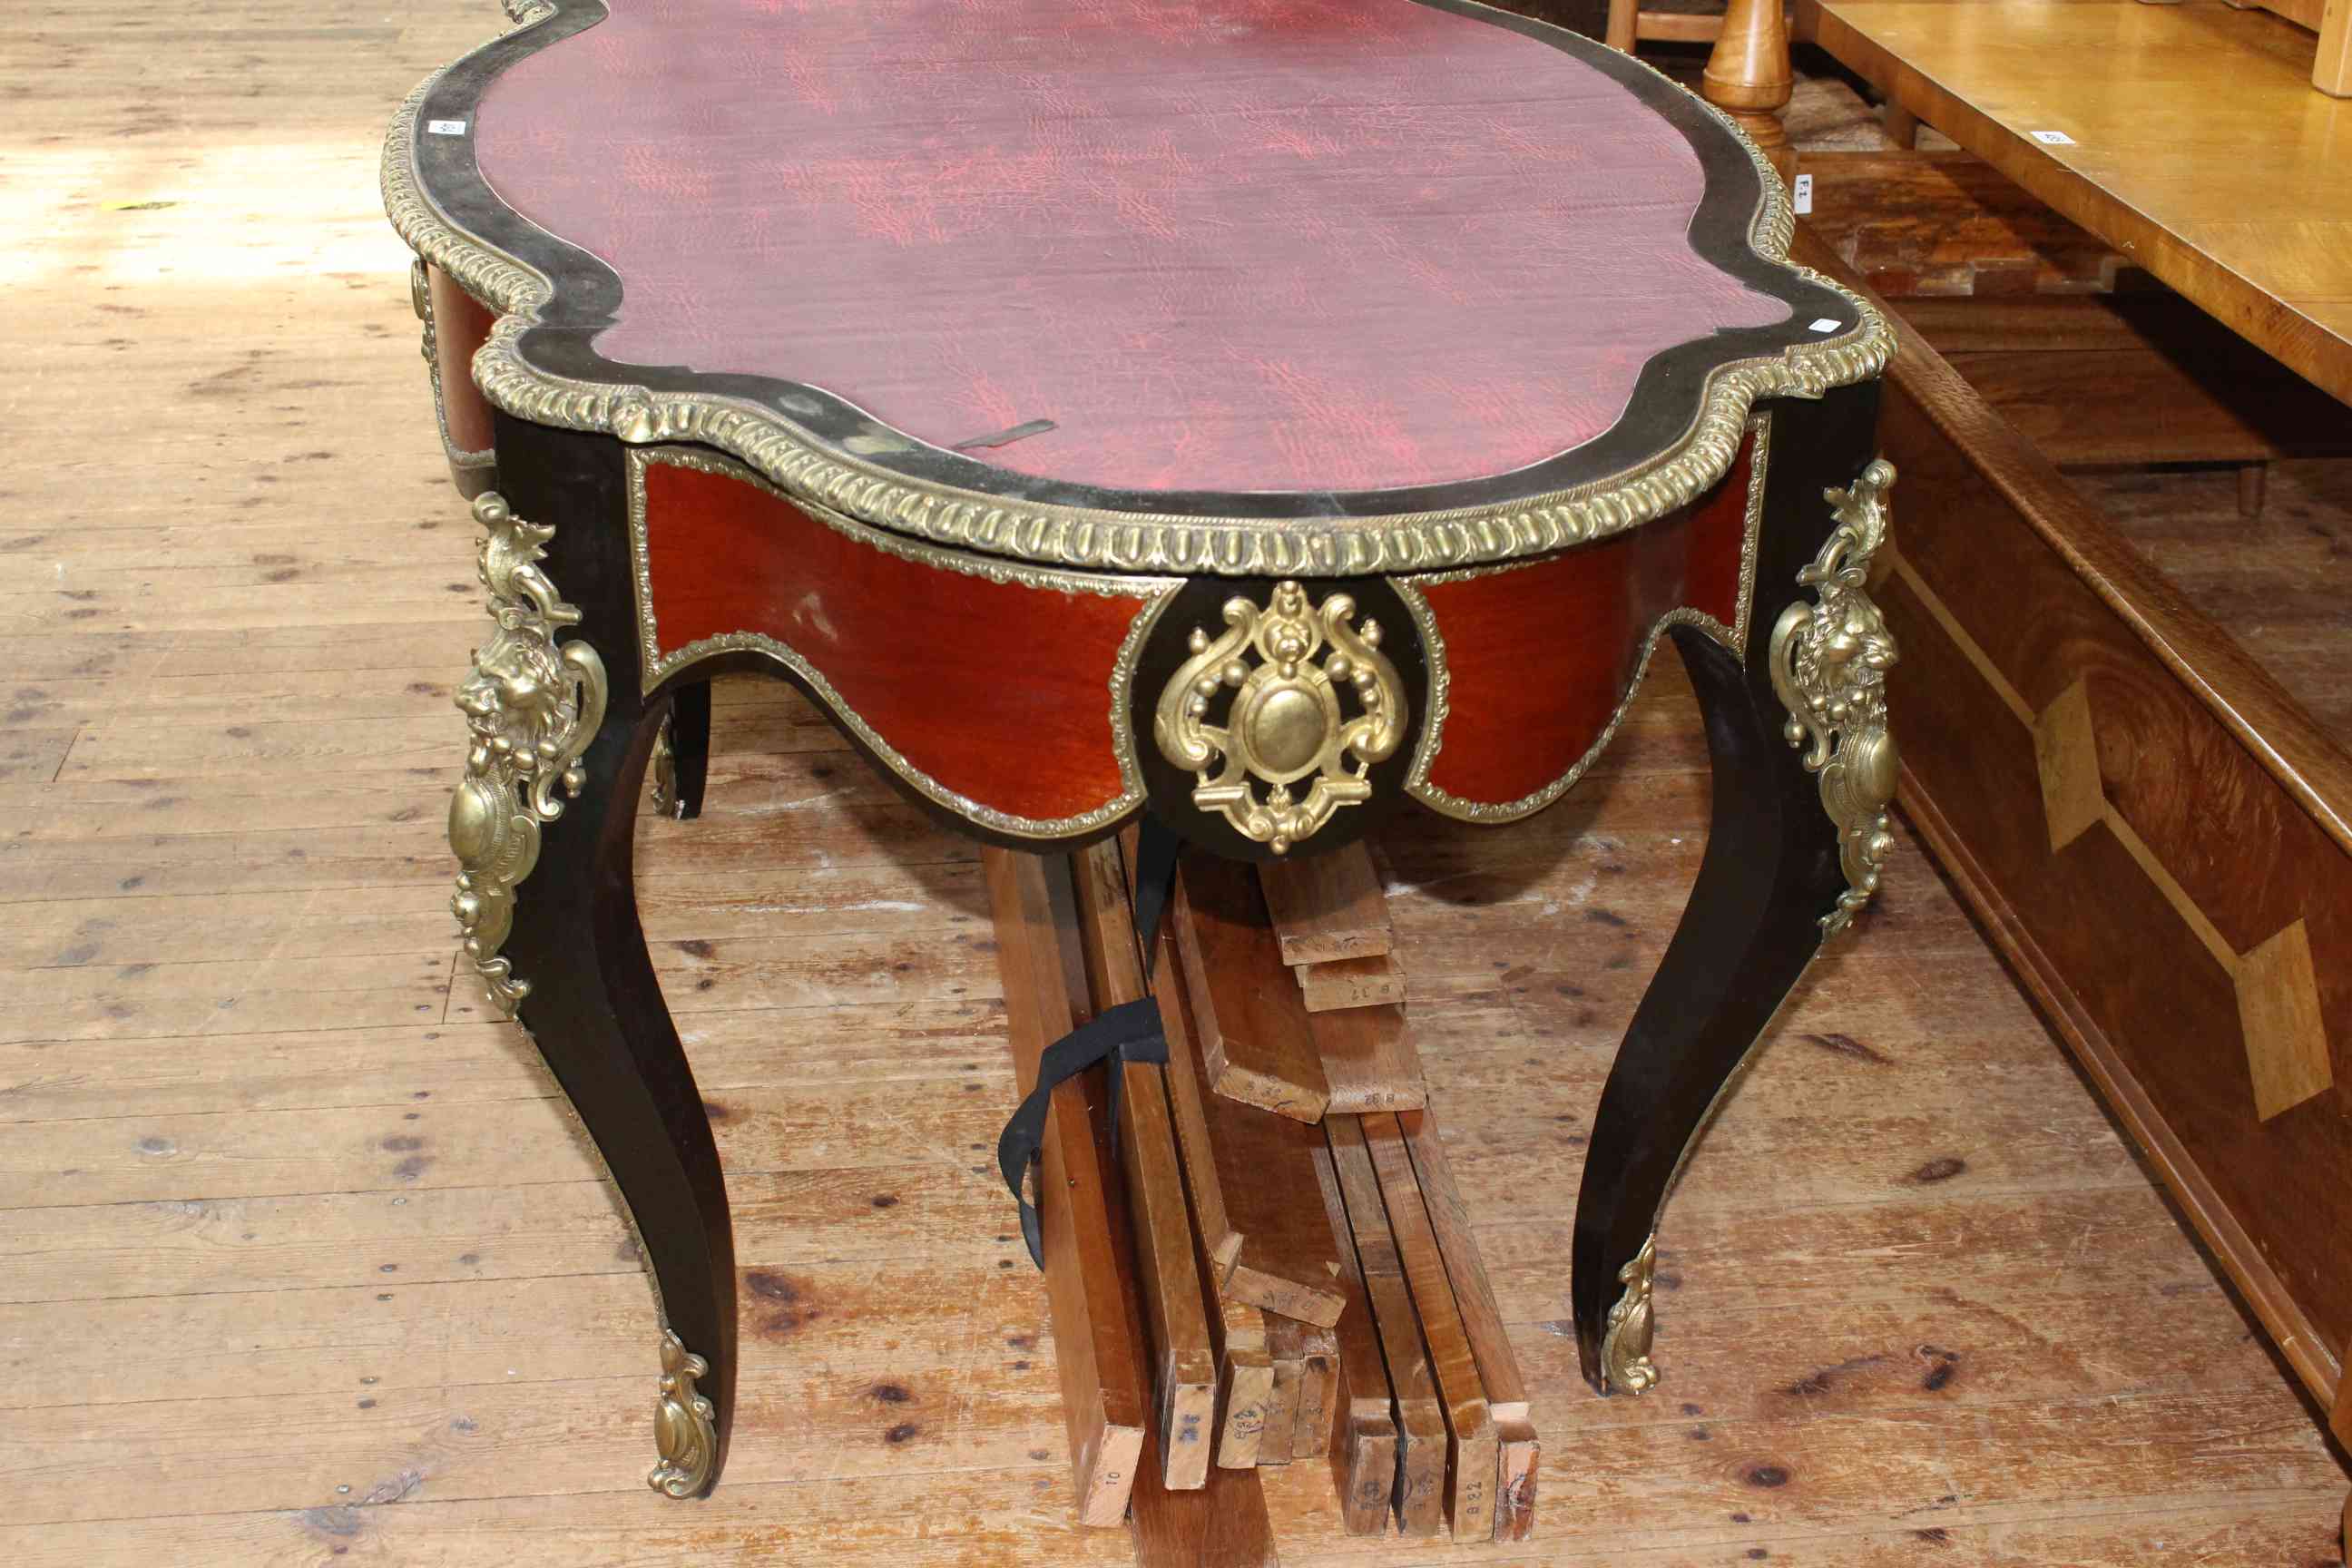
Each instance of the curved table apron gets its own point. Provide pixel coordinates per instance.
(1265, 415)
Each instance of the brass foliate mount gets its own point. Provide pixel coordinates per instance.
(532, 708)
(664, 768)
(1626, 1366)
(1286, 723)
(1829, 663)
(686, 1424)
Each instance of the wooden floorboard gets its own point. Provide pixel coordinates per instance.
(302, 1259)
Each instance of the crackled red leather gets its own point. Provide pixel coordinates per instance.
(1539, 657)
(1294, 245)
(999, 692)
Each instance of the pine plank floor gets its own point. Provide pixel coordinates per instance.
(300, 1260)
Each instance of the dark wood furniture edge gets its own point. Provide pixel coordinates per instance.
(2303, 1347)
(2242, 694)
(2230, 299)
(2239, 693)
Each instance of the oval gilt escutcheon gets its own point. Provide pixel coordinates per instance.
(1281, 713)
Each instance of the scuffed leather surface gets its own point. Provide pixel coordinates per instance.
(1243, 245)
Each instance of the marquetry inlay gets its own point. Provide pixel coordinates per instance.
(2277, 988)
(2278, 1002)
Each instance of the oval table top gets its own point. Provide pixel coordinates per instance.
(1245, 286)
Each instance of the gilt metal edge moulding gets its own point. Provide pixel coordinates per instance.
(811, 471)
(420, 297)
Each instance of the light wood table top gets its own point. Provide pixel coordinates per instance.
(2199, 146)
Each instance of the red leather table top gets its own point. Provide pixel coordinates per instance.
(1246, 245)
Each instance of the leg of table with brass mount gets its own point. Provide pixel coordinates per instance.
(543, 826)
(681, 763)
(1803, 769)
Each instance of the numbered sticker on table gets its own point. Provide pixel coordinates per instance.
(2051, 138)
(446, 127)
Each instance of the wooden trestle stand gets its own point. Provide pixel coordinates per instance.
(1265, 1261)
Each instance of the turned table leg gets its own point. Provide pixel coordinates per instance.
(543, 826)
(1748, 76)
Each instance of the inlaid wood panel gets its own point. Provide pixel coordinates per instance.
(2152, 829)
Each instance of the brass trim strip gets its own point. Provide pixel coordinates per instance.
(1440, 680)
(658, 666)
(420, 295)
(813, 473)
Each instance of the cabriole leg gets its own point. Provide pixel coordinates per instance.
(543, 826)
(1803, 769)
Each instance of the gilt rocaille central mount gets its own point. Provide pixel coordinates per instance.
(1286, 723)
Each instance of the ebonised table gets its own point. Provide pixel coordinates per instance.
(1264, 414)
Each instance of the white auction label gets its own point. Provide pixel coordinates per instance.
(1827, 324)
(446, 127)
(1802, 190)
(2051, 138)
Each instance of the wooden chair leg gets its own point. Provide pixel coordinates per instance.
(1752, 924)
(1748, 76)
(1902, 126)
(1623, 15)
(2253, 486)
(592, 1006)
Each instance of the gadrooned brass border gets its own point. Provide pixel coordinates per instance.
(812, 473)
(1441, 680)
(658, 667)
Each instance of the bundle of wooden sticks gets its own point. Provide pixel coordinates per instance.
(1265, 1261)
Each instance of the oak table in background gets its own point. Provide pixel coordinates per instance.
(2195, 144)
(1266, 419)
